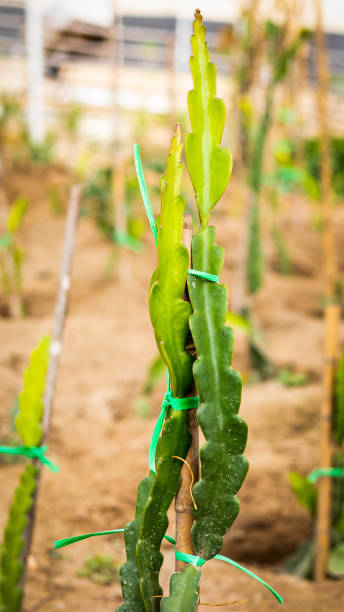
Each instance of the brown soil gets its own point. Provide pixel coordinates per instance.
(101, 443)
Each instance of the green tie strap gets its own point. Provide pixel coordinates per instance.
(186, 558)
(67, 541)
(206, 275)
(177, 403)
(332, 472)
(198, 562)
(144, 192)
(149, 211)
(32, 452)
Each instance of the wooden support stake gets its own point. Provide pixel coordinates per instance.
(55, 352)
(332, 309)
(61, 305)
(183, 503)
(323, 524)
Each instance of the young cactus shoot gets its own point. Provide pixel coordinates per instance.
(28, 426)
(219, 386)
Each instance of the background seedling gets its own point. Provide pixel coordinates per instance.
(11, 257)
(100, 569)
(32, 424)
(304, 561)
(14, 545)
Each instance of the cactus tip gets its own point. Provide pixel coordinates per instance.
(178, 131)
(198, 15)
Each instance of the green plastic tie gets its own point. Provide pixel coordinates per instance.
(206, 275)
(32, 452)
(332, 472)
(144, 192)
(186, 558)
(177, 403)
(5, 240)
(252, 574)
(67, 541)
(124, 239)
(149, 211)
(198, 562)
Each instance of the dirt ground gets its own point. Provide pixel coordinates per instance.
(101, 443)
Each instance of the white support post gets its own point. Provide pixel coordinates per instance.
(35, 70)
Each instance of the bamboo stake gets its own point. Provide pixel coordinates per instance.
(61, 305)
(55, 352)
(323, 522)
(332, 310)
(183, 503)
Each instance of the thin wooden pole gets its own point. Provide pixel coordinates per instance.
(118, 194)
(61, 305)
(55, 352)
(183, 503)
(332, 311)
(323, 522)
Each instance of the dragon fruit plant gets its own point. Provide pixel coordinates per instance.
(29, 428)
(11, 257)
(196, 346)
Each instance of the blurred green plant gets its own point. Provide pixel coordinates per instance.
(338, 404)
(41, 153)
(99, 205)
(98, 194)
(155, 373)
(312, 157)
(247, 43)
(28, 426)
(100, 569)
(302, 561)
(261, 365)
(11, 119)
(305, 492)
(70, 118)
(11, 257)
(288, 378)
(55, 199)
(280, 55)
(284, 265)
